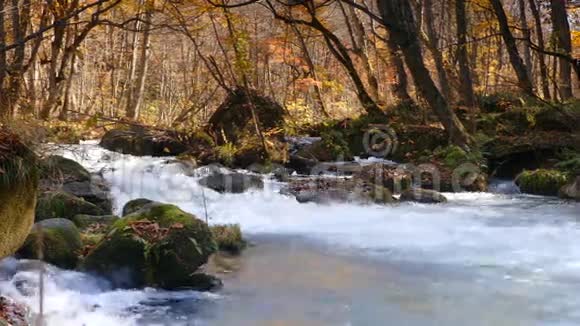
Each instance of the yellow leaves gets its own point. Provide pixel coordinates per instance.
(576, 42)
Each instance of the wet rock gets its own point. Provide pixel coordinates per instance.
(332, 190)
(63, 174)
(571, 190)
(394, 178)
(58, 204)
(61, 243)
(142, 142)
(232, 182)
(160, 245)
(424, 196)
(135, 205)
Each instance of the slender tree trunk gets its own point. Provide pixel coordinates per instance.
(466, 82)
(400, 83)
(561, 28)
(131, 78)
(433, 46)
(134, 105)
(541, 57)
(526, 35)
(397, 16)
(524, 80)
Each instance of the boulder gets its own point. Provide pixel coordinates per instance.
(229, 238)
(160, 246)
(331, 190)
(233, 182)
(142, 142)
(63, 174)
(394, 178)
(58, 204)
(61, 243)
(63, 170)
(134, 205)
(18, 184)
(541, 182)
(571, 190)
(234, 120)
(84, 222)
(424, 196)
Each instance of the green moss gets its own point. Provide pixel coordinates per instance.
(61, 243)
(542, 182)
(134, 205)
(158, 246)
(57, 204)
(60, 168)
(229, 238)
(453, 156)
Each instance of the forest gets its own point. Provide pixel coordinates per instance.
(176, 162)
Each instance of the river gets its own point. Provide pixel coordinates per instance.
(497, 258)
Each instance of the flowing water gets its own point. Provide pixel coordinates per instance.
(497, 258)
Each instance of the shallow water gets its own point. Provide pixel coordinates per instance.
(481, 259)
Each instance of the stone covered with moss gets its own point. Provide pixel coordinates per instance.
(159, 245)
(541, 182)
(18, 183)
(59, 239)
(135, 205)
(571, 190)
(58, 204)
(229, 238)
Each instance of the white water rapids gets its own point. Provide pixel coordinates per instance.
(481, 259)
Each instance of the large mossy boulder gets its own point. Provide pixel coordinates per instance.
(235, 118)
(232, 182)
(160, 246)
(59, 204)
(394, 178)
(142, 142)
(85, 222)
(18, 183)
(63, 170)
(571, 190)
(541, 182)
(60, 242)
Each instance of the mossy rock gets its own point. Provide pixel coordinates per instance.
(83, 221)
(229, 238)
(233, 119)
(394, 178)
(159, 245)
(134, 205)
(58, 169)
(233, 182)
(327, 191)
(541, 182)
(61, 243)
(18, 184)
(57, 204)
(424, 196)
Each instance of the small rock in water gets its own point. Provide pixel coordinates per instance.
(423, 196)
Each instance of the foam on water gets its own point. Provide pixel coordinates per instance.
(525, 239)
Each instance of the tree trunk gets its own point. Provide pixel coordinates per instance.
(433, 46)
(400, 83)
(397, 16)
(541, 57)
(564, 45)
(526, 35)
(466, 82)
(524, 81)
(135, 101)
